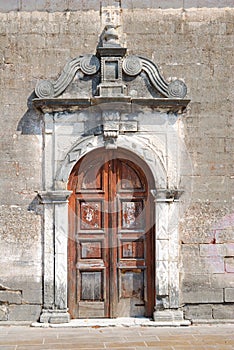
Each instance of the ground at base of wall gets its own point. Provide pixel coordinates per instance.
(116, 322)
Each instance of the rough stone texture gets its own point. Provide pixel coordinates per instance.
(229, 265)
(200, 311)
(223, 311)
(203, 295)
(87, 5)
(11, 297)
(24, 312)
(229, 295)
(196, 45)
(3, 313)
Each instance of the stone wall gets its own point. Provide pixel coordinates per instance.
(80, 5)
(193, 44)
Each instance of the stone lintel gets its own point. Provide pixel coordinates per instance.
(53, 197)
(54, 316)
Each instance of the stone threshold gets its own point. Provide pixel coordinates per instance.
(116, 322)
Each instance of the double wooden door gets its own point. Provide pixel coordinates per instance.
(111, 243)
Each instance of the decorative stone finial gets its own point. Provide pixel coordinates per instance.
(110, 37)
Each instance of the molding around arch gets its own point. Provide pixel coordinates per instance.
(137, 145)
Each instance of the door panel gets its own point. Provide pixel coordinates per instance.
(111, 245)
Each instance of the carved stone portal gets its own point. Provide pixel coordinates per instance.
(111, 113)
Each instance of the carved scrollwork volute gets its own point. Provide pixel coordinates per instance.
(177, 89)
(132, 65)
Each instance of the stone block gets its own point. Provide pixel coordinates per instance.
(173, 4)
(57, 5)
(214, 3)
(24, 312)
(229, 295)
(10, 297)
(212, 250)
(75, 5)
(34, 5)
(10, 5)
(222, 280)
(223, 311)
(225, 235)
(33, 293)
(229, 265)
(229, 249)
(3, 313)
(192, 282)
(201, 222)
(89, 5)
(193, 312)
(203, 295)
(193, 263)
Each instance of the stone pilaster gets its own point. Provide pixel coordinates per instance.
(55, 256)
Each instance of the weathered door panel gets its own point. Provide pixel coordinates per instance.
(111, 241)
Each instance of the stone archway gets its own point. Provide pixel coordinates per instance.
(117, 111)
(56, 230)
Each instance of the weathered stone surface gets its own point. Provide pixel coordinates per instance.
(223, 311)
(191, 282)
(203, 295)
(229, 249)
(24, 312)
(213, 250)
(225, 235)
(229, 295)
(194, 263)
(78, 5)
(10, 297)
(3, 313)
(222, 280)
(200, 221)
(193, 312)
(229, 265)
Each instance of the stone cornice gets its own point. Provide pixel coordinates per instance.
(48, 105)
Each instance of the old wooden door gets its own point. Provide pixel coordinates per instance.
(111, 243)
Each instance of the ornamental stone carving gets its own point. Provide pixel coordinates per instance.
(132, 65)
(88, 64)
(111, 121)
(177, 88)
(111, 60)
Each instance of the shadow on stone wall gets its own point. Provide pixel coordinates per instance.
(31, 122)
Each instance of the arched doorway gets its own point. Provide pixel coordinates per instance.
(111, 249)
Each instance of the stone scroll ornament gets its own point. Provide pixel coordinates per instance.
(88, 64)
(133, 65)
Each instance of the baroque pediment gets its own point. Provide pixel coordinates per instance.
(112, 74)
